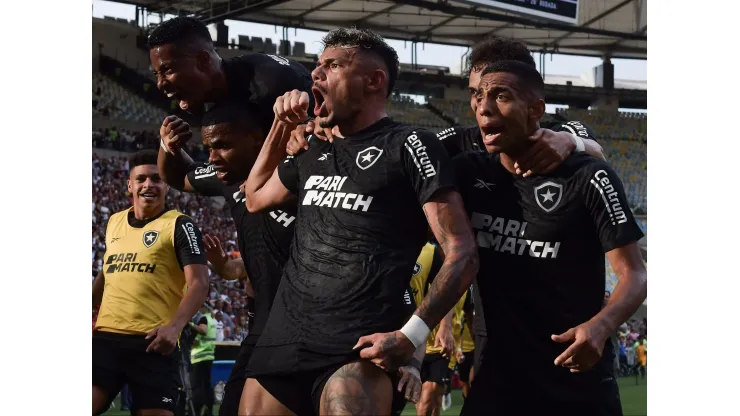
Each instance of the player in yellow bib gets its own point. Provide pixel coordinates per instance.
(440, 346)
(464, 346)
(152, 255)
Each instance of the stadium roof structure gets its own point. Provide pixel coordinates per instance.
(616, 28)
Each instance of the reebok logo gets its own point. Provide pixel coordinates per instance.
(481, 184)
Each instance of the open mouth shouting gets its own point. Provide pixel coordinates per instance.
(319, 95)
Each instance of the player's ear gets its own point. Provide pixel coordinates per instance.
(376, 80)
(203, 61)
(128, 186)
(536, 110)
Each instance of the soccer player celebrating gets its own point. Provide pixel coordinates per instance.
(359, 229)
(189, 69)
(152, 253)
(553, 142)
(542, 241)
(234, 137)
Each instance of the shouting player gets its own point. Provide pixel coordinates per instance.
(233, 141)
(542, 241)
(189, 69)
(152, 253)
(359, 229)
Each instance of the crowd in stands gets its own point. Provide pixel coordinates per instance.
(110, 195)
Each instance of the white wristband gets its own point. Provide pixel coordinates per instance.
(416, 330)
(580, 145)
(161, 144)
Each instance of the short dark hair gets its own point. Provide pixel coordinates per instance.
(495, 49)
(143, 157)
(529, 78)
(232, 112)
(179, 30)
(367, 41)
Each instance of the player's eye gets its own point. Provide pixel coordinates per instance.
(334, 65)
(502, 97)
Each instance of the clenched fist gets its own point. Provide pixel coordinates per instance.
(174, 133)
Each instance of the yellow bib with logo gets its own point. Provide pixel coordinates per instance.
(144, 282)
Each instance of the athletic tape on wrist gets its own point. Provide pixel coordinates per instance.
(416, 331)
(161, 144)
(580, 145)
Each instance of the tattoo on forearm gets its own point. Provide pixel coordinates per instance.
(452, 231)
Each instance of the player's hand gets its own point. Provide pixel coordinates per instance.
(410, 383)
(446, 341)
(165, 339)
(460, 356)
(214, 253)
(388, 350)
(292, 107)
(174, 133)
(587, 344)
(549, 150)
(298, 142)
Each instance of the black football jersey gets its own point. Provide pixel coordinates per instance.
(541, 242)
(263, 239)
(359, 230)
(461, 139)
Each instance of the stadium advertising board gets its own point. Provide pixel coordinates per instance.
(561, 10)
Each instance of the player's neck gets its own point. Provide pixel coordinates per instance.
(509, 158)
(143, 213)
(362, 121)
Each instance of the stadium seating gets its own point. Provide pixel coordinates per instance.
(403, 109)
(118, 103)
(611, 124)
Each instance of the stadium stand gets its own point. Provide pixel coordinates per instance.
(112, 100)
(405, 110)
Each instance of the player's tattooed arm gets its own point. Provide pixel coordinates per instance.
(449, 223)
(97, 289)
(263, 188)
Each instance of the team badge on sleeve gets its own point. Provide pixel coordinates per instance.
(150, 237)
(548, 195)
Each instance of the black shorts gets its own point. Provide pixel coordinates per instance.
(237, 378)
(480, 345)
(435, 368)
(119, 359)
(464, 367)
(504, 395)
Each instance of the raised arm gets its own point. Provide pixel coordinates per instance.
(173, 162)
(264, 188)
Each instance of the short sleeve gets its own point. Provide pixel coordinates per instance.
(577, 128)
(188, 242)
(288, 174)
(409, 302)
(426, 164)
(606, 200)
(468, 303)
(202, 178)
(459, 139)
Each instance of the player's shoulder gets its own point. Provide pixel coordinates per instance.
(458, 132)
(473, 160)
(582, 165)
